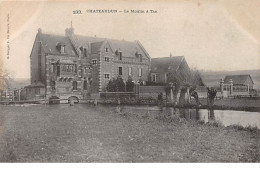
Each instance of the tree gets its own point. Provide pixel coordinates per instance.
(196, 79)
(130, 84)
(120, 85)
(5, 79)
(116, 85)
(184, 79)
(212, 93)
(111, 86)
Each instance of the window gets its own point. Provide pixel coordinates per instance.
(94, 62)
(106, 49)
(52, 68)
(58, 70)
(85, 85)
(52, 84)
(37, 91)
(80, 71)
(140, 58)
(63, 68)
(120, 71)
(85, 69)
(74, 85)
(85, 52)
(106, 76)
(70, 68)
(154, 77)
(106, 59)
(166, 77)
(62, 49)
(140, 72)
(120, 55)
(75, 68)
(130, 71)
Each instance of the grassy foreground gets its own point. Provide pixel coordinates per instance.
(83, 133)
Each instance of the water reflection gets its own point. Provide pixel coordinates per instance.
(224, 117)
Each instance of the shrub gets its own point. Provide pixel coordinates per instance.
(130, 85)
(111, 86)
(120, 85)
(116, 85)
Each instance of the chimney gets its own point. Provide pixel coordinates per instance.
(40, 31)
(69, 31)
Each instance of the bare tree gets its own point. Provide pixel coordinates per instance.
(5, 79)
(186, 80)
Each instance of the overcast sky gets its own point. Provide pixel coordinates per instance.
(212, 35)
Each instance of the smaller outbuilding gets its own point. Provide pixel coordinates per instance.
(237, 85)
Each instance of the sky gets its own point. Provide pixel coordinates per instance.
(211, 34)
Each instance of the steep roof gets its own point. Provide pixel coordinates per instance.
(237, 79)
(162, 65)
(35, 84)
(49, 43)
(96, 46)
(127, 48)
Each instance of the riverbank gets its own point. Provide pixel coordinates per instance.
(85, 133)
(241, 104)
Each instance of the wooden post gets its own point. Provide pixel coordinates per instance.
(188, 94)
(19, 94)
(231, 87)
(13, 94)
(222, 88)
(171, 100)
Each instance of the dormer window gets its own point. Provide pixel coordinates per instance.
(61, 47)
(83, 51)
(140, 58)
(106, 49)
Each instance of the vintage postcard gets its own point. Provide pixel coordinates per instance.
(130, 81)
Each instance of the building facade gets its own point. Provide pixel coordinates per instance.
(237, 85)
(80, 66)
(173, 69)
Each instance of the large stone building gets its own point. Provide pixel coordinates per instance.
(80, 66)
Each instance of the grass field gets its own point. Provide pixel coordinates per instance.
(83, 133)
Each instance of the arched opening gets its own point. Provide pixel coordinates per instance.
(74, 85)
(85, 85)
(54, 100)
(74, 99)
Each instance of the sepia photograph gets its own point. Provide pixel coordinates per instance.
(95, 81)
